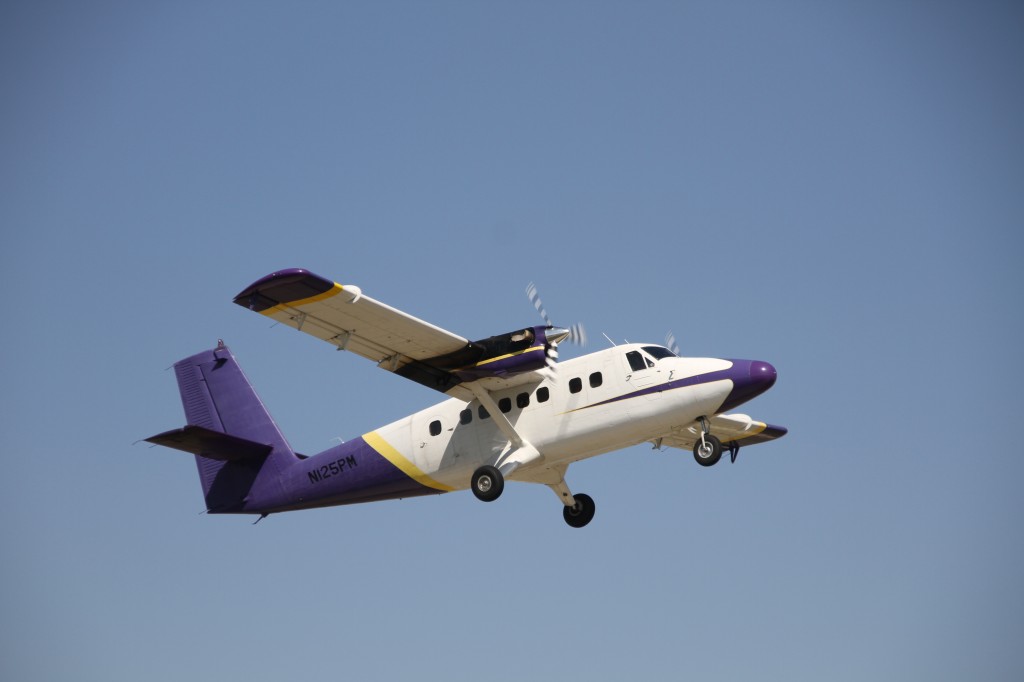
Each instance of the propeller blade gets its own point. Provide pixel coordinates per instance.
(531, 293)
(670, 343)
(576, 333)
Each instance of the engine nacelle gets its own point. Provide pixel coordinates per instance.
(504, 355)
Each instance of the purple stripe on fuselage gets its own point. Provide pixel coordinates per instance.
(670, 385)
(345, 474)
(750, 379)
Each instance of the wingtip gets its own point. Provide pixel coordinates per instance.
(283, 286)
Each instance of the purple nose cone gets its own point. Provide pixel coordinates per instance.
(750, 378)
(763, 373)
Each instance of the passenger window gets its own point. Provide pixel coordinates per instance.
(542, 394)
(595, 379)
(522, 400)
(483, 412)
(636, 361)
(505, 405)
(466, 416)
(575, 385)
(435, 428)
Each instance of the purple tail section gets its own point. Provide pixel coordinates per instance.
(218, 398)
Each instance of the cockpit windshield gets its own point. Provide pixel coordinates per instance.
(659, 352)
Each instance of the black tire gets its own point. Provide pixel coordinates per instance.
(709, 452)
(487, 483)
(581, 513)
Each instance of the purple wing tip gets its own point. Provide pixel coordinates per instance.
(283, 286)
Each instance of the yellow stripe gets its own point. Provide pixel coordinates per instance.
(759, 426)
(280, 307)
(392, 455)
(502, 357)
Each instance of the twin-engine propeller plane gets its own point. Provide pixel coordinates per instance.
(513, 413)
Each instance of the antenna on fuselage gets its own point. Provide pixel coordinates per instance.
(609, 339)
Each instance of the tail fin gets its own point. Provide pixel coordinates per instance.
(239, 450)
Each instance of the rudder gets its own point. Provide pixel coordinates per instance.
(237, 470)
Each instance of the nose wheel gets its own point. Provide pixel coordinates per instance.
(707, 451)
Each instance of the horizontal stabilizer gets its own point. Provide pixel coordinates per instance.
(211, 444)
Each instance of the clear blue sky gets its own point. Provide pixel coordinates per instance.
(837, 188)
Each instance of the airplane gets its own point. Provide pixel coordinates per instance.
(512, 413)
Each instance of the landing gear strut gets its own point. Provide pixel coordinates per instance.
(487, 483)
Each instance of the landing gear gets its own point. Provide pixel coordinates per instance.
(581, 513)
(708, 450)
(487, 483)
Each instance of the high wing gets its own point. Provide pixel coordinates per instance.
(398, 342)
(738, 429)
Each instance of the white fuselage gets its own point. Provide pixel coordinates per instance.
(592, 405)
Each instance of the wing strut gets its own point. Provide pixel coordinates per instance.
(522, 452)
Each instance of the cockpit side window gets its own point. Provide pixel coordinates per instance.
(659, 352)
(636, 361)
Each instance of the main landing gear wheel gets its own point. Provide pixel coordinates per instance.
(581, 513)
(707, 451)
(487, 483)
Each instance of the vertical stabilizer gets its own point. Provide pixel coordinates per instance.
(217, 397)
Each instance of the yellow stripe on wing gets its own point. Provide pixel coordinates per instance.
(281, 307)
(385, 450)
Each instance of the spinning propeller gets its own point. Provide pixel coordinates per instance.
(670, 343)
(575, 334)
